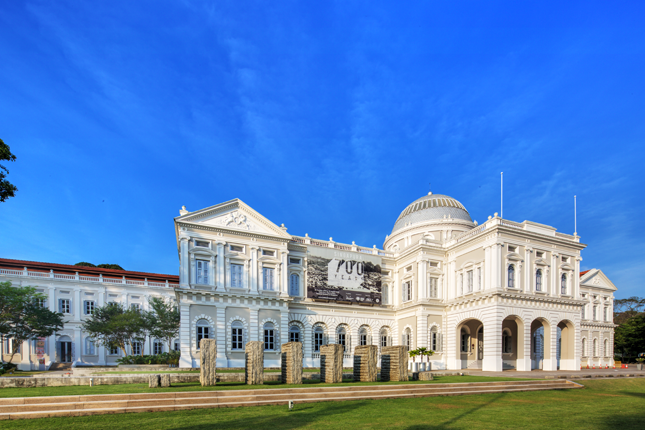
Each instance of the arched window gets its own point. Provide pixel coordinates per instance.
(511, 276)
(157, 347)
(203, 331)
(563, 284)
(237, 336)
(319, 337)
(538, 280)
(507, 342)
(385, 338)
(584, 347)
(294, 333)
(294, 285)
(595, 347)
(341, 337)
(407, 338)
(465, 340)
(363, 336)
(269, 337)
(434, 339)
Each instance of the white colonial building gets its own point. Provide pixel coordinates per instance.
(494, 296)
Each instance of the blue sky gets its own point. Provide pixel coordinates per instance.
(329, 117)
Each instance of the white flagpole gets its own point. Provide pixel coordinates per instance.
(502, 197)
(575, 216)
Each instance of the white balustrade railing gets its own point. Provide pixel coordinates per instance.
(344, 247)
(93, 279)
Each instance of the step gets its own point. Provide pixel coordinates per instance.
(74, 406)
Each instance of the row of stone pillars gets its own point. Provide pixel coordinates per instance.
(393, 363)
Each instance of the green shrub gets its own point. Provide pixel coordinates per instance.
(169, 358)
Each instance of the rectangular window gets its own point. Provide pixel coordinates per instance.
(90, 349)
(269, 340)
(176, 346)
(465, 342)
(470, 281)
(267, 278)
(89, 305)
(236, 248)
(65, 306)
(268, 253)
(294, 261)
(236, 338)
(434, 344)
(433, 288)
(202, 244)
(604, 314)
(135, 307)
(41, 303)
(236, 275)
(383, 340)
(203, 271)
(294, 336)
(479, 278)
(157, 347)
(114, 351)
(584, 313)
(136, 348)
(407, 291)
(595, 312)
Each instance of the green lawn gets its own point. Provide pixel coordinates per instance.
(194, 386)
(603, 404)
(16, 373)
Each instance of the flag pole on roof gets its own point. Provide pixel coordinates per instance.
(501, 215)
(575, 217)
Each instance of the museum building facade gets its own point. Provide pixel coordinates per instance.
(491, 296)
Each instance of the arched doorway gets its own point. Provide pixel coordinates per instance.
(566, 346)
(541, 345)
(470, 344)
(512, 339)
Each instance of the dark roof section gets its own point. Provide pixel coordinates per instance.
(83, 270)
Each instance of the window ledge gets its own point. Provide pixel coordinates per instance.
(544, 293)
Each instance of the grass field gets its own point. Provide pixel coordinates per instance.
(603, 404)
(194, 386)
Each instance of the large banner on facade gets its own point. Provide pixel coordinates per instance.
(343, 276)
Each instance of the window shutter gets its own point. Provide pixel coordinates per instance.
(60, 305)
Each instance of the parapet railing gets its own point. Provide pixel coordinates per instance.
(93, 279)
(341, 246)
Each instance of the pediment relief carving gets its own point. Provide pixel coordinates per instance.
(541, 262)
(514, 256)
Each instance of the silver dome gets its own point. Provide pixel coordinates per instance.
(429, 208)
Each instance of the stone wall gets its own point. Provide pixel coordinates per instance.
(207, 359)
(292, 363)
(254, 371)
(331, 363)
(365, 358)
(394, 363)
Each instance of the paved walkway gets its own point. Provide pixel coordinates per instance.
(568, 374)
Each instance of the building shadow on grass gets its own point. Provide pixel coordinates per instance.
(455, 421)
(624, 422)
(304, 414)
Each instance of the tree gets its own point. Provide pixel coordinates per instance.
(22, 316)
(110, 266)
(114, 326)
(7, 189)
(163, 320)
(629, 336)
(85, 264)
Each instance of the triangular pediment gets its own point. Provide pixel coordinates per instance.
(234, 215)
(596, 278)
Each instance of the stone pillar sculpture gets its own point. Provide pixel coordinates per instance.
(207, 360)
(394, 363)
(365, 358)
(254, 370)
(292, 363)
(331, 363)
(153, 381)
(164, 380)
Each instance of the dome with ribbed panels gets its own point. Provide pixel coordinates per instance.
(429, 208)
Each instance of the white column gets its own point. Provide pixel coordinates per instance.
(423, 279)
(220, 335)
(550, 360)
(523, 363)
(422, 330)
(77, 305)
(492, 344)
(555, 291)
(184, 335)
(254, 269)
(253, 325)
(284, 274)
(576, 280)
(212, 275)
(184, 277)
(307, 346)
(528, 271)
(101, 348)
(396, 290)
(25, 356)
(51, 341)
(452, 283)
(220, 265)
(78, 346)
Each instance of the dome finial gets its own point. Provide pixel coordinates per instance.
(429, 188)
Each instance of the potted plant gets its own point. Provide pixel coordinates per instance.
(414, 354)
(425, 352)
(639, 364)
